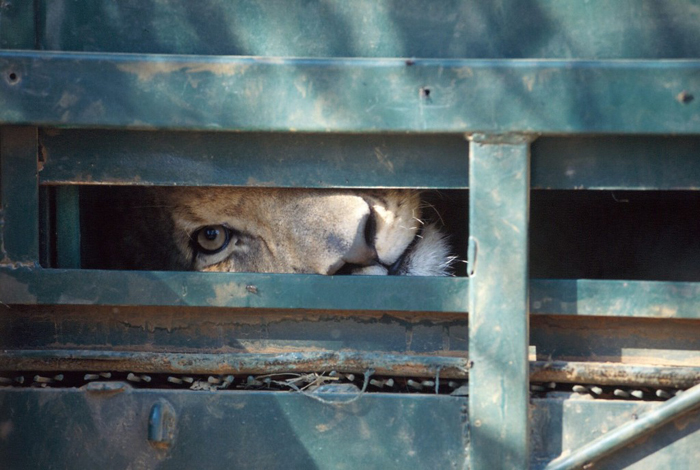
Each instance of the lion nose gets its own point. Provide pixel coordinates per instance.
(362, 251)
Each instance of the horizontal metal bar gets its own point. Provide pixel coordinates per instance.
(629, 432)
(238, 363)
(642, 299)
(253, 159)
(608, 373)
(250, 290)
(80, 156)
(348, 95)
(401, 365)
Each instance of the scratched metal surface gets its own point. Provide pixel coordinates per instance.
(258, 430)
(562, 425)
(348, 95)
(371, 28)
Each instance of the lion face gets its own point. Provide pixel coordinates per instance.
(296, 231)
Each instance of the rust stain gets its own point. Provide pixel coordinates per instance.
(223, 293)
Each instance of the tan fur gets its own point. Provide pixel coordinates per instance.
(292, 230)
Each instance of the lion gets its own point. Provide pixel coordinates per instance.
(275, 230)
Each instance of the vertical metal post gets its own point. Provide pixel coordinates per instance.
(68, 227)
(499, 187)
(19, 196)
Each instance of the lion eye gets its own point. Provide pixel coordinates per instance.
(212, 238)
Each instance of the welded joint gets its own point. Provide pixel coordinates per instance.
(511, 138)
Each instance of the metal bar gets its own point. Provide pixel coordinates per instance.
(401, 365)
(250, 290)
(80, 156)
(644, 299)
(629, 432)
(616, 163)
(68, 227)
(349, 95)
(253, 159)
(18, 25)
(46, 226)
(607, 373)
(19, 196)
(498, 301)
(639, 299)
(234, 363)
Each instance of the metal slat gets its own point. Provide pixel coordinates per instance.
(377, 28)
(348, 95)
(324, 160)
(253, 159)
(251, 290)
(19, 196)
(640, 299)
(499, 184)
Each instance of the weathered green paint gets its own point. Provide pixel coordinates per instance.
(635, 429)
(562, 425)
(68, 227)
(616, 162)
(19, 196)
(18, 25)
(253, 159)
(348, 95)
(429, 161)
(603, 29)
(627, 340)
(251, 290)
(499, 183)
(261, 430)
(641, 299)
(202, 329)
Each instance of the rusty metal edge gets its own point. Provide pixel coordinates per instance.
(598, 373)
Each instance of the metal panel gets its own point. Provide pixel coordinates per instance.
(560, 426)
(19, 195)
(624, 435)
(261, 430)
(378, 28)
(346, 95)
(499, 184)
(253, 290)
(253, 159)
(18, 25)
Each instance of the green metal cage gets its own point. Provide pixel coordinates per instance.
(494, 100)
